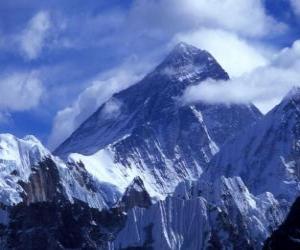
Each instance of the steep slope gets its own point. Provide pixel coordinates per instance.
(48, 204)
(16, 158)
(222, 216)
(267, 156)
(135, 195)
(145, 131)
(244, 194)
(29, 173)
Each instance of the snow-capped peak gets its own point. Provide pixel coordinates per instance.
(17, 156)
(28, 151)
(183, 48)
(186, 62)
(31, 138)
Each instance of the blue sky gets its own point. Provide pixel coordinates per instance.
(61, 59)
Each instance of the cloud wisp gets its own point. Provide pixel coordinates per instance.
(33, 37)
(19, 91)
(100, 90)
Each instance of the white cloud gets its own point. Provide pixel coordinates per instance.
(295, 4)
(245, 17)
(236, 55)
(32, 39)
(265, 86)
(111, 109)
(100, 90)
(20, 91)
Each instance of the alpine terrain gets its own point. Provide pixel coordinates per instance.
(148, 171)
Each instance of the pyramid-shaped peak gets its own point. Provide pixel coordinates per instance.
(185, 54)
(135, 195)
(137, 184)
(187, 50)
(187, 62)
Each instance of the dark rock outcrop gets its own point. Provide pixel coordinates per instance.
(61, 225)
(135, 196)
(287, 236)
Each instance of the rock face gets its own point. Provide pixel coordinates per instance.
(287, 235)
(29, 173)
(221, 216)
(267, 156)
(17, 156)
(135, 195)
(60, 225)
(145, 131)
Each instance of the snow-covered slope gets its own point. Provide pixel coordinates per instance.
(17, 156)
(267, 156)
(29, 173)
(221, 216)
(145, 131)
(243, 195)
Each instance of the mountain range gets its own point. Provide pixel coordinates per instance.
(148, 171)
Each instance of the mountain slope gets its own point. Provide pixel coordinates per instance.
(267, 156)
(46, 203)
(243, 195)
(145, 131)
(223, 216)
(29, 173)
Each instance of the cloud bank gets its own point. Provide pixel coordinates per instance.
(230, 15)
(264, 86)
(236, 55)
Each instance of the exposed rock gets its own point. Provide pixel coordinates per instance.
(135, 196)
(60, 225)
(287, 236)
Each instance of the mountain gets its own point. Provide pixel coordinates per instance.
(243, 195)
(146, 131)
(145, 171)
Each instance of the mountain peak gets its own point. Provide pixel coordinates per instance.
(187, 62)
(186, 51)
(135, 195)
(185, 48)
